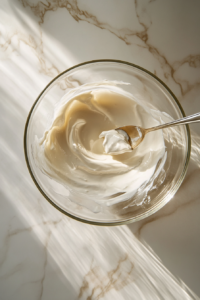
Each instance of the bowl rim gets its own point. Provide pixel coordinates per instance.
(112, 223)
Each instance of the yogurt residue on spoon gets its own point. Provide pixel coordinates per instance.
(115, 142)
(72, 154)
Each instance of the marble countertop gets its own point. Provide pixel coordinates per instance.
(44, 254)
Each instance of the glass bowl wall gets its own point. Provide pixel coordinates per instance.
(148, 89)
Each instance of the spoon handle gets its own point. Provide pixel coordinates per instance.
(190, 119)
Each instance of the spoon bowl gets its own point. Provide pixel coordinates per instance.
(135, 134)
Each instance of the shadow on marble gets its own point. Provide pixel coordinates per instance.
(54, 30)
(45, 255)
(27, 271)
(172, 232)
(59, 258)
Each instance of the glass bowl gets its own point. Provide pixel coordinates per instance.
(148, 89)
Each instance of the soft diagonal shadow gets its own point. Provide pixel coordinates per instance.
(45, 255)
(54, 256)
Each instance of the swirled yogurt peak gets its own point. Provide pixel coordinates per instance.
(115, 142)
(72, 153)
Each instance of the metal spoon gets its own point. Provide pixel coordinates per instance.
(136, 134)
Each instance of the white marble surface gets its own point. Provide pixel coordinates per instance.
(44, 254)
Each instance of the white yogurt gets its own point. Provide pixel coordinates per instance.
(115, 142)
(72, 153)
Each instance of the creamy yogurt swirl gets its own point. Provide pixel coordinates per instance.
(72, 153)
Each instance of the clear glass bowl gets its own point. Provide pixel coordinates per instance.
(148, 89)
